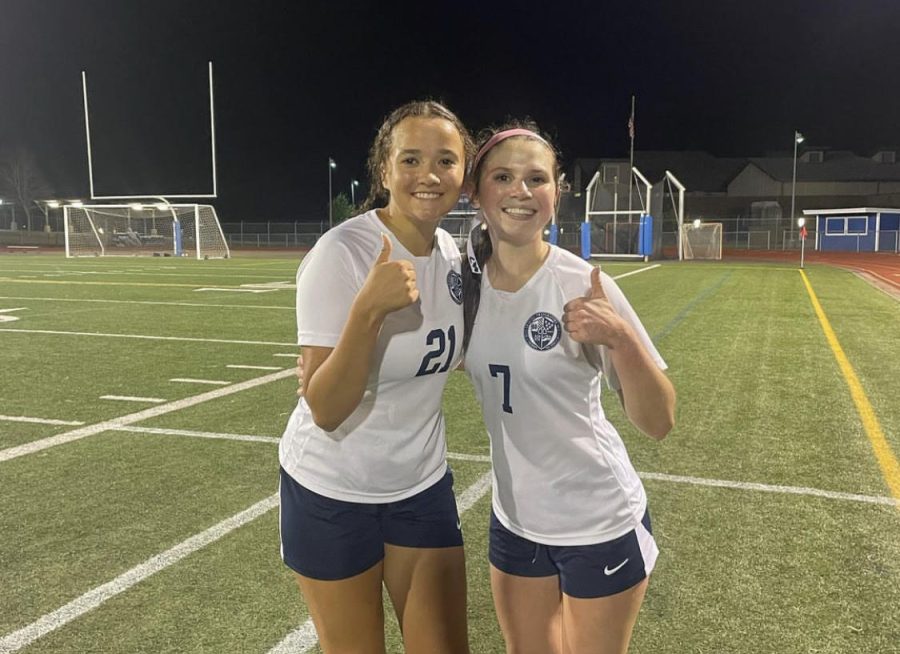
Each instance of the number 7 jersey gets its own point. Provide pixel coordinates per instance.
(393, 445)
(561, 472)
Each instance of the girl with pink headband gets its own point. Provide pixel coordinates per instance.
(571, 547)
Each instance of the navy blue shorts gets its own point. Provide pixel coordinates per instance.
(585, 571)
(328, 539)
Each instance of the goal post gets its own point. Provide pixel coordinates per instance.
(609, 231)
(702, 240)
(135, 229)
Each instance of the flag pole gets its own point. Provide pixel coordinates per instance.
(631, 156)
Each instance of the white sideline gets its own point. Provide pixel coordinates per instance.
(90, 430)
(93, 598)
(185, 339)
(770, 488)
(209, 382)
(304, 638)
(40, 421)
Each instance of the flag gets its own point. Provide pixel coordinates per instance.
(803, 232)
(631, 126)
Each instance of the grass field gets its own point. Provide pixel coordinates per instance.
(149, 524)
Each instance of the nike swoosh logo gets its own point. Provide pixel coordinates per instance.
(458, 524)
(611, 571)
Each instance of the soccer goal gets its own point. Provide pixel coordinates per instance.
(702, 240)
(144, 230)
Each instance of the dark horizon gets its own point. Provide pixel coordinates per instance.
(296, 85)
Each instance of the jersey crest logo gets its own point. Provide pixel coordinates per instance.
(454, 283)
(542, 331)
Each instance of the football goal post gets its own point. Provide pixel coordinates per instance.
(162, 229)
(702, 240)
(609, 230)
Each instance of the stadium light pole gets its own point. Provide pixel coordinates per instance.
(353, 185)
(331, 166)
(798, 139)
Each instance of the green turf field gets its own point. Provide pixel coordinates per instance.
(149, 524)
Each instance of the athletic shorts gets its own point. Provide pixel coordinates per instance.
(328, 539)
(585, 571)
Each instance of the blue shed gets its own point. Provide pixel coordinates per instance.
(863, 229)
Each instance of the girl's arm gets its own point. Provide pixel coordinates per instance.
(646, 392)
(335, 379)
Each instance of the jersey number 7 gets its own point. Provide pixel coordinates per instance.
(498, 370)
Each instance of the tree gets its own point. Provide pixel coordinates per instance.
(22, 179)
(342, 208)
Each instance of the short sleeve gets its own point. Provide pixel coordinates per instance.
(327, 285)
(624, 309)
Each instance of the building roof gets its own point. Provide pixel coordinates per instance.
(836, 166)
(844, 212)
(700, 171)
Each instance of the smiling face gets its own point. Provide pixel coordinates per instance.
(517, 190)
(424, 171)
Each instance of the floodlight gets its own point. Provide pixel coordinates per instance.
(136, 206)
(331, 166)
(798, 137)
(801, 222)
(53, 204)
(160, 206)
(696, 223)
(100, 230)
(76, 203)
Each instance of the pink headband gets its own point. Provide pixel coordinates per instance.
(502, 136)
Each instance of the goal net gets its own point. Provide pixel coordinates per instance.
(144, 230)
(703, 241)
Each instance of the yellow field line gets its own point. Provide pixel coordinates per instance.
(890, 468)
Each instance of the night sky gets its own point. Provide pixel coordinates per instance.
(299, 82)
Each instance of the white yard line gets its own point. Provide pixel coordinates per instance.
(185, 339)
(235, 290)
(209, 382)
(635, 272)
(199, 434)
(287, 355)
(40, 421)
(93, 598)
(165, 304)
(304, 638)
(11, 310)
(657, 476)
(244, 367)
(146, 414)
(133, 398)
(770, 488)
(301, 639)
(481, 458)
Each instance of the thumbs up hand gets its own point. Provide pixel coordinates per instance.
(390, 285)
(592, 319)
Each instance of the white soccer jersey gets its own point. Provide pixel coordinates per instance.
(393, 445)
(561, 472)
